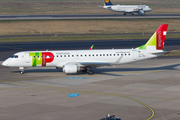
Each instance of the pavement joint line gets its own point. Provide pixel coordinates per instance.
(90, 92)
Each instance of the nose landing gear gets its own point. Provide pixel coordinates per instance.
(22, 70)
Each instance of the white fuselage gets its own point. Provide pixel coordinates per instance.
(128, 8)
(61, 58)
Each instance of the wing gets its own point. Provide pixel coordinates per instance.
(95, 64)
(129, 11)
(92, 64)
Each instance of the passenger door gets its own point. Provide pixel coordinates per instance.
(27, 57)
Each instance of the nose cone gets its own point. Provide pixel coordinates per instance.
(5, 63)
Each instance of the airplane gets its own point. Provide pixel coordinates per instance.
(127, 9)
(73, 61)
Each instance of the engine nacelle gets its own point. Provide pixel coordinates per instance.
(141, 12)
(71, 69)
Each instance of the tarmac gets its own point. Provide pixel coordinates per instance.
(143, 90)
(87, 16)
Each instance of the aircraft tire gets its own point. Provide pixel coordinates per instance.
(22, 72)
(90, 72)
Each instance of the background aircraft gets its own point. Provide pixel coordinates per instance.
(72, 61)
(127, 9)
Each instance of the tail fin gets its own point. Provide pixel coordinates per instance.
(108, 2)
(157, 40)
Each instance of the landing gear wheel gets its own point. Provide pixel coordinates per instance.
(90, 72)
(124, 14)
(22, 72)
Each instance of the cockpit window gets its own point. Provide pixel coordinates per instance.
(14, 56)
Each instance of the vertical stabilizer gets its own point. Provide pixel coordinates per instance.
(108, 2)
(157, 40)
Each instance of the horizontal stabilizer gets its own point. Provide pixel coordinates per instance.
(95, 63)
(160, 52)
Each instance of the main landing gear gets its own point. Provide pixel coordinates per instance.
(22, 70)
(89, 71)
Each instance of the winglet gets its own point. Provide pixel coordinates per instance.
(91, 47)
(157, 40)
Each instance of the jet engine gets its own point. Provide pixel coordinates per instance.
(141, 12)
(71, 69)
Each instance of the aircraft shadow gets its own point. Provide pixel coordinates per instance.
(40, 71)
(104, 71)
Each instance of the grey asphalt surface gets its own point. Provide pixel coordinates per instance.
(43, 35)
(85, 16)
(136, 91)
